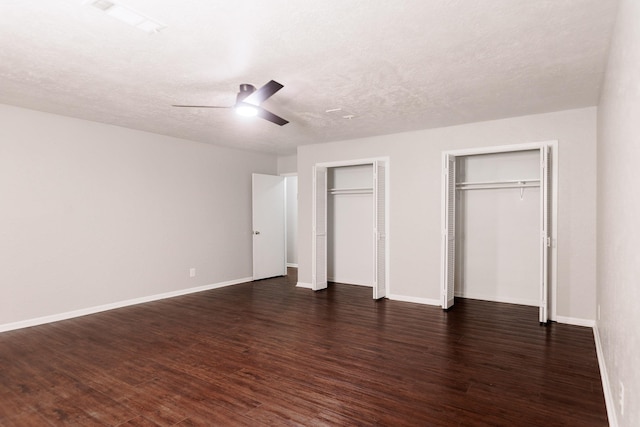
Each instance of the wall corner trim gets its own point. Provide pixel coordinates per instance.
(606, 385)
(112, 306)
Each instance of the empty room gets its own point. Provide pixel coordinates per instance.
(319, 213)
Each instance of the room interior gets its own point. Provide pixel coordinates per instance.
(112, 197)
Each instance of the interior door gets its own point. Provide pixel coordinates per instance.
(545, 241)
(319, 248)
(269, 227)
(380, 236)
(448, 231)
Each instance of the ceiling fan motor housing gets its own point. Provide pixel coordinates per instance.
(245, 90)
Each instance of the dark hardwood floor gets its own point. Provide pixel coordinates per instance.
(268, 353)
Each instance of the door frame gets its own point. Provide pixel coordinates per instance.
(286, 217)
(553, 256)
(387, 197)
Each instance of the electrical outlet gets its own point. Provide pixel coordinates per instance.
(192, 272)
(621, 398)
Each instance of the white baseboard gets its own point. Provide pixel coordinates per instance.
(576, 321)
(348, 282)
(606, 385)
(97, 309)
(290, 264)
(304, 285)
(416, 300)
(493, 298)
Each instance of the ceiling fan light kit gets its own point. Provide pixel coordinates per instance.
(248, 102)
(246, 110)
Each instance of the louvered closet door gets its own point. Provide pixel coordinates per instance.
(380, 237)
(448, 231)
(319, 256)
(545, 235)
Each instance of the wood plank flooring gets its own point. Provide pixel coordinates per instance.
(268, 353)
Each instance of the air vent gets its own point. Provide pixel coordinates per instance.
(128, 16)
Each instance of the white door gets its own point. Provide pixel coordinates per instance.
(545, 240)
(448, 231)
(269, 235)
(380, 236)
(319, 248)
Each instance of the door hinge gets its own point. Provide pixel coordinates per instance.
(548, 242)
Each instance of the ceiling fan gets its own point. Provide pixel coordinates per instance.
(248, 102)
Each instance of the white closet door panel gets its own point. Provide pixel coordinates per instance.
(269, 232)
(319, 258)
(545, 236)
(448, 231)
(380, 237)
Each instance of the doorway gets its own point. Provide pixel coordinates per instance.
(378, 188)
(498, 221)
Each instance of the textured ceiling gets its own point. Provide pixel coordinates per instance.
(394, 65)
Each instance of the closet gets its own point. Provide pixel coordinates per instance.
(496, 233)
(350, 225)
(349, 216)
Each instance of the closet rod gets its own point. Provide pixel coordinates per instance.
(350, 190)
(497, 186)
(510, 181)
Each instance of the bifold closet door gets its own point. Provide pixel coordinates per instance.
(380, 237)
(448, 231)
(319, 248)
(545, 240)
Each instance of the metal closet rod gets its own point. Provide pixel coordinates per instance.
(514, 183)
(350, 190)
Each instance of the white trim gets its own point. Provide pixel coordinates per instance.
(500, 148)
(288, 174)
(291, 264)
(494, 298)
(97, 309)
(576, 321)
(552, 309)
(354, 162)
(606, 385)
(348, 282)
(304, 285)
(405, 298)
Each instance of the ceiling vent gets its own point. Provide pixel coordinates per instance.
(128, 16)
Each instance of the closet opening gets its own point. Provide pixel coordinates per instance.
(498, 226)
(349, 224)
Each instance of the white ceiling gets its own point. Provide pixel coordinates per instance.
(395, 65)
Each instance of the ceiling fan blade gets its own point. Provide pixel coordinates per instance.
(199, 106)
(267, 115)
(260, 95)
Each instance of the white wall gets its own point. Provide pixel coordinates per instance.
(497, 231)
(415, 191)
(287, 164)
(292, 220)
(95, 214)
(350, 226)
(618, 330)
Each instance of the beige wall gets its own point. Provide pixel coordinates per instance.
(95, 214)
(618, 329)
(415, 191)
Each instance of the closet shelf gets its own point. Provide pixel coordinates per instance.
(481, 185)
(350, 191)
